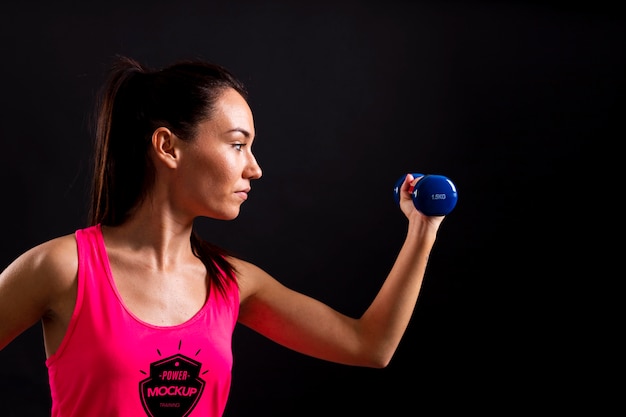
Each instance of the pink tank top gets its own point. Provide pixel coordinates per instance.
(110, 363)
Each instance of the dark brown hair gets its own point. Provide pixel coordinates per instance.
(132, 104)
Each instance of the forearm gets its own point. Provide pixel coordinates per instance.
(383, 324)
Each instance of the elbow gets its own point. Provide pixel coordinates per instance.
(380, 360)
(381, 364)
(376, 353)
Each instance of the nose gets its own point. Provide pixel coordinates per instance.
(253, 171)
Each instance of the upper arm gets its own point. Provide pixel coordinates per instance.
(296, 320)
(32, 285)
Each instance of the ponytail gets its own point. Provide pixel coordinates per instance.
(111, 201)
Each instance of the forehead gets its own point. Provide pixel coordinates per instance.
(232, 112)
(231, 115)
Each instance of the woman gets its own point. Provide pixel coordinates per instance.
(137, 310)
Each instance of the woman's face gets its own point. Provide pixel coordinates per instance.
(215, 169)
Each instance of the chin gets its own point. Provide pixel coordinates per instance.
(227, 216)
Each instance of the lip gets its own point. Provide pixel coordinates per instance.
(243, 194)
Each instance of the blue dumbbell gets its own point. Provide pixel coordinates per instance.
(433, 195)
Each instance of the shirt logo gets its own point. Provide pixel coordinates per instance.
(173, 387)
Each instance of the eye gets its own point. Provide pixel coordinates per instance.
(238, 146)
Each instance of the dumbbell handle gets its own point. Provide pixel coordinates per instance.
(433, 195)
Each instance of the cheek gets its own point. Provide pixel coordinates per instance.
(218, 174)
(219, 171)
(210, 169)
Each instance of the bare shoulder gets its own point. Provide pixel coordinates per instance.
(249, 276)
(55, 260)
(57, 253)
(253, 280)
(39, 283)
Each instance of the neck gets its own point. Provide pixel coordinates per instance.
(159, 238)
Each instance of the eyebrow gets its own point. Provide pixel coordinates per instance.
(242, 131)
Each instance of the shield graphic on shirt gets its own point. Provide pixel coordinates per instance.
(173, 387)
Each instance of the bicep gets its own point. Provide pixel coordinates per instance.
(296, 320)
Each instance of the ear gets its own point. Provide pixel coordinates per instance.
(164, 146)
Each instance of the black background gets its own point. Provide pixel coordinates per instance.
(519, 102)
